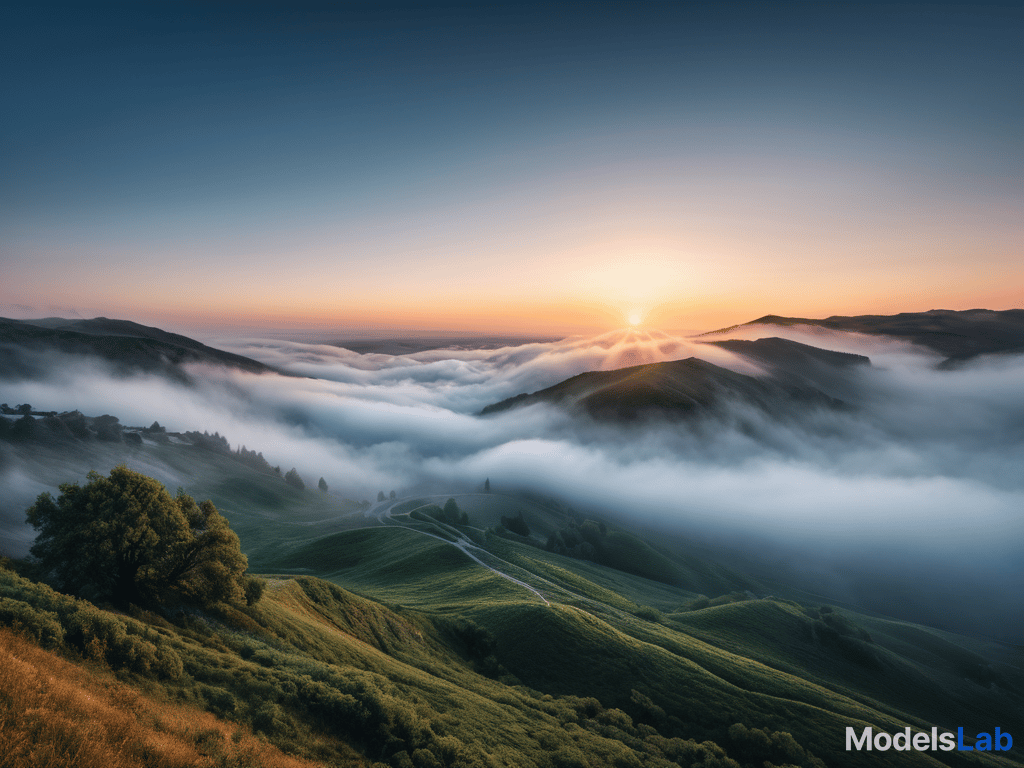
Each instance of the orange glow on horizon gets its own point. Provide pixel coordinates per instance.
(569, 317)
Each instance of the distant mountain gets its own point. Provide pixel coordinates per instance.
(678, 389)
(957, 335)
(413, 344)
(793, 363)
(128, 347)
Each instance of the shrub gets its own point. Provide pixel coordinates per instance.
(647, 613)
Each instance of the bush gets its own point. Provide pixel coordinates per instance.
(647, 613)
(254, 589)
(42, 626)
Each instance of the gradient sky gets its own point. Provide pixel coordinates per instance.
(509, 167)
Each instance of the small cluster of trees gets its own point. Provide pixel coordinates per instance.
(19, 410)
(450, 513)
(255, 460)
(516, 524)
(215, 442)
(293, 479)
(124, 539)
(580, 540)
(52, 426)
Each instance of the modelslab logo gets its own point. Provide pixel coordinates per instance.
(1000, 741)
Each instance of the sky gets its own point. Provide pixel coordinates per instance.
(508, 167)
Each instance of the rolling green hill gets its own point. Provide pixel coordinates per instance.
(402, 635)
(767, 663)
(428, 651)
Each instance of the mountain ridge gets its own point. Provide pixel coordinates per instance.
(958, 335)
(128, 346)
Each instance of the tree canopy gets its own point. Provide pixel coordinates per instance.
(292, 478)
(125, 539)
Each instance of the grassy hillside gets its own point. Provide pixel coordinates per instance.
(55, 713)
(400, 635)
(767, 663)
(443, 661)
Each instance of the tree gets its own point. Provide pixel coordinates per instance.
(322, 485)
(392, 496)
(292, 478)
(453, 514)
(126, 540)
(487, 485)
(380, 495)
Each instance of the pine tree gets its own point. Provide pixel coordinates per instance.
(293, 479)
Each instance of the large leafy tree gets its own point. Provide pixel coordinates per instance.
(126, 540)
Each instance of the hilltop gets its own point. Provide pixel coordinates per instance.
(125, 346)
(679, 389)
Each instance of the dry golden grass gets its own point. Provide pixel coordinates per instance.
(54, 714)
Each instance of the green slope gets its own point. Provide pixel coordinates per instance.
(769, 664)
(414, 642)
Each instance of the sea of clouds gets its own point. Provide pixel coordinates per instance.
(918, 487)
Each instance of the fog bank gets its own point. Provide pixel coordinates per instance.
(919, 479)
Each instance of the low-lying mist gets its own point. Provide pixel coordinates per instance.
(909, 502)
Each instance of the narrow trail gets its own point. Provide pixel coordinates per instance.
(465, 545)
(381, 512)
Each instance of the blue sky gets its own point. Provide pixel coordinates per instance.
(461, 166)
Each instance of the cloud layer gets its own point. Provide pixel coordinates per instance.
(921, 480)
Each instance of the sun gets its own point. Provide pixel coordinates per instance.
(635, 317)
